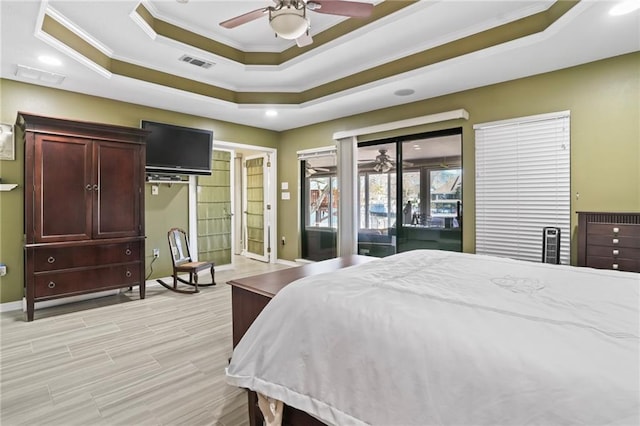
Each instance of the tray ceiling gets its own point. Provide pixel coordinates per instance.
(144, 53)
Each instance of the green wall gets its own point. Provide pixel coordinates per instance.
(603, 97)
(604, 100)
(167, 209)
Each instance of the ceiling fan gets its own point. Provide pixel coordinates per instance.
(288, 18)
(384, 163)
(310, 170)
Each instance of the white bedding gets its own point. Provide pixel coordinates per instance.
(443, 338)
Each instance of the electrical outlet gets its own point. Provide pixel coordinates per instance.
(156, 252)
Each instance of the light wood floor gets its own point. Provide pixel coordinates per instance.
(119, 360)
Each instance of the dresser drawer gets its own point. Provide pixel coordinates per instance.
(50, 259)
(631, 265)
(612, 241)
(613, 230)
(614, 252)
(84, 280)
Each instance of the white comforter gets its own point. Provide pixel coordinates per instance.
(442, 338)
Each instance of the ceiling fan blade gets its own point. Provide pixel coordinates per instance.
(352, 9)
(243, 19)
(304, 40)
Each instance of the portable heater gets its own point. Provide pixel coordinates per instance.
(550, 245)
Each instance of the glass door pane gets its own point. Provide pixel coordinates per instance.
(377, 210)
(214, 211)
(431, 194)
(321, 197)
(255, 230)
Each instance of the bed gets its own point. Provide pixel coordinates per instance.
(430, 337)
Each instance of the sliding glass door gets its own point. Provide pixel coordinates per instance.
(410, 194)
(377, 195)
(432, 194)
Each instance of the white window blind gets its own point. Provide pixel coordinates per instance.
(523, 185)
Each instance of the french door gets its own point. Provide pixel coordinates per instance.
(256, 209)
(214, 215)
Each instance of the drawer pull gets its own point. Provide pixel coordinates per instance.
(128, 274)
(51, 259)
(127, 252)
(95, 187)
(88, 187)
(615, 241)
(616, 252)
(616, 230)
(51, 284)
(614, 266)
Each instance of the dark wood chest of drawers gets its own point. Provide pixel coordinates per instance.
(609, 240)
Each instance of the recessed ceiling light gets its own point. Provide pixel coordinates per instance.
(404, 92)
(625, 7)
(271, 113)
(49, 60)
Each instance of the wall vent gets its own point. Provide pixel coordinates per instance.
(196, 61)
(24, 71)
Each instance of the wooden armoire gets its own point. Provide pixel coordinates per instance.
(84, 207)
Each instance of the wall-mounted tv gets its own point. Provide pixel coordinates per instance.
(178, 150)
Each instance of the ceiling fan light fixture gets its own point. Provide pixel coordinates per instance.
(382, 167)
(289, 22)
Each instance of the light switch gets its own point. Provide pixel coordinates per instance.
(154, 190)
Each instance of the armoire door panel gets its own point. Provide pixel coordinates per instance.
(63, 189)
(118, 183)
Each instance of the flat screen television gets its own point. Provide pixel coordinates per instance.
(177, 150)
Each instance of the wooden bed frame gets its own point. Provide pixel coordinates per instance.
(250, 295)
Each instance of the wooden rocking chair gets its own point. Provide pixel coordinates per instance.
(182, 263)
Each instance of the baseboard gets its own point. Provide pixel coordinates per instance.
(11, 306)
(287, 262)
(305, 261)
(21, 305)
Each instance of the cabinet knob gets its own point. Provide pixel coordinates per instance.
(88, 187)
(616, 230)
(51, 284)
(614, 266)
(95, 187)
(615, 241)
(128, 274)
(127, 252)
(51, 259)
(616, 252)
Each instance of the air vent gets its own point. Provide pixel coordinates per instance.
(24, 71)
(195, 61)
